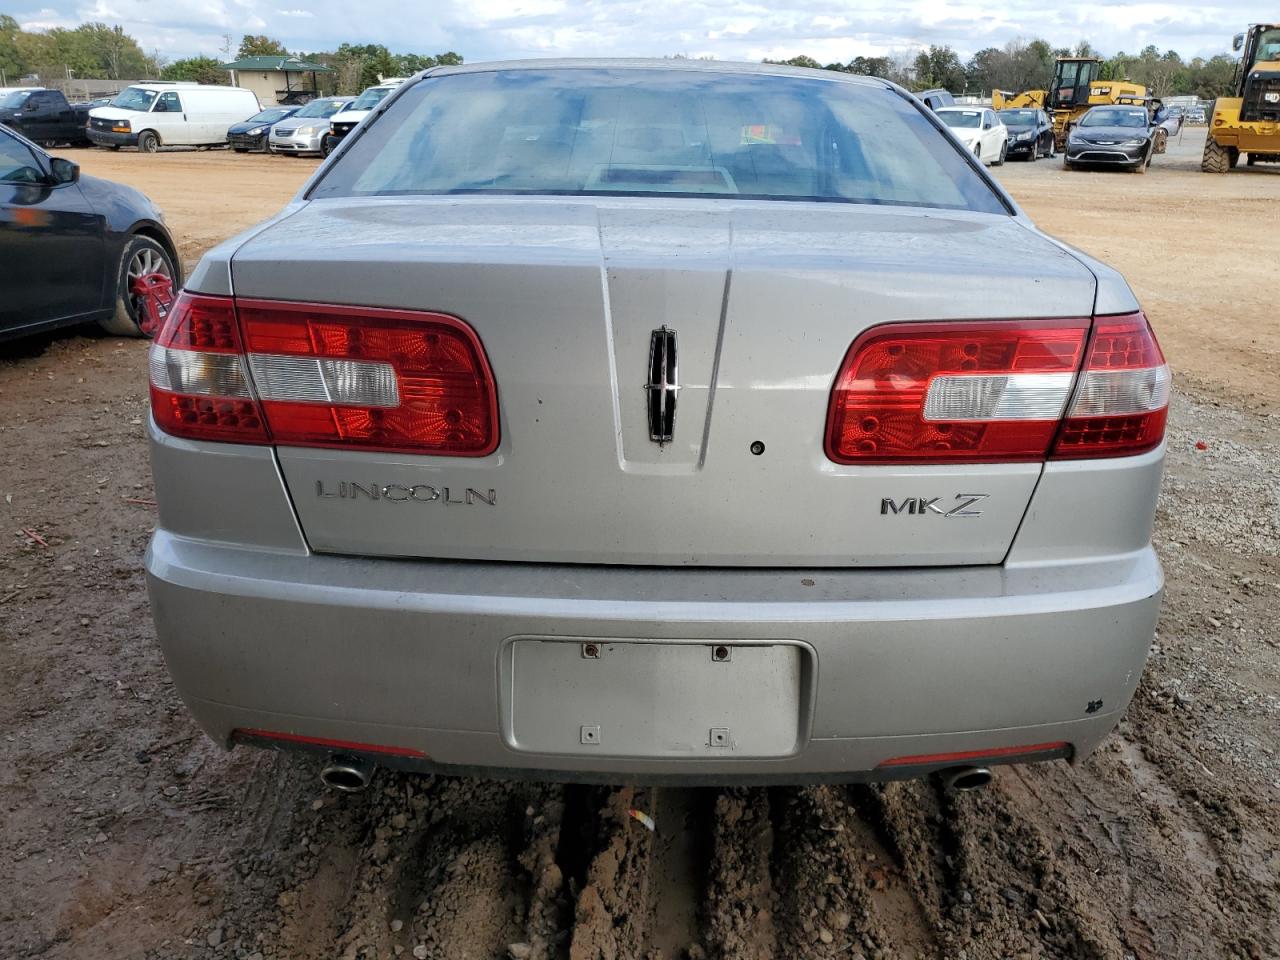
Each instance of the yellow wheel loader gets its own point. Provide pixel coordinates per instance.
(1248, 121)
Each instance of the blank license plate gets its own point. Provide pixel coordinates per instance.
(641, 699)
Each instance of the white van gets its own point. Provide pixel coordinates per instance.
(155, 114)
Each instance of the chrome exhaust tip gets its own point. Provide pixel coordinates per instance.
(965, 778)
(346, 773)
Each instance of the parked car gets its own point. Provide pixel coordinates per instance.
(155, 114)
(44, 116)
(612, 421)
(935, 98)
(345, 120)
(1030, 132)
(980, 130)
(1195, 115)
(1114, 135)
(252, 134)
(305, 131)
(74, 248)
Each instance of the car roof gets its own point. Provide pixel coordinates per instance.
(961, 108)
(651, 63)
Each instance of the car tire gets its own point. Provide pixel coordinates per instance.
(1004, 149)
(148, 142)
(1066, 164)
(326, 146)
(141, 255)
(1034, 155)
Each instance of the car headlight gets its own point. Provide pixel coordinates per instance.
(1133, 143)
(255, 131)
(309, 131)
(1029, 135)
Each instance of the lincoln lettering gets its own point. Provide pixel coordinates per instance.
(405, 493)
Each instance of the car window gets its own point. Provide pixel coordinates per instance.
(1024, 118)
(134, 98)
(270, 116)
(168, 103)
(961, 118)
(369, 99)
(635, 131)
(320, 109)
(17, 163)
(12, 101)
(1136, 117)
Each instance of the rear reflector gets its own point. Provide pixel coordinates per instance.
(953, 392)
(249, 733)
(1004, 754)
(323, 376)
(999, 391)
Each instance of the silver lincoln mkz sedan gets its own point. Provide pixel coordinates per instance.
(633, 421)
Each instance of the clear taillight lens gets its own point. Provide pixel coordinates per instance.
(317, 375)
(1122, 402)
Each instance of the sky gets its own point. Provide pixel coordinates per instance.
(835, 30)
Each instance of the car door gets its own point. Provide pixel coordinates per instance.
(169, 120)
(52, 243)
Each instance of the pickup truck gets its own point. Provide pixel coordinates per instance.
(44, 116)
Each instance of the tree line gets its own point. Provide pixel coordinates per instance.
(100, 51)
(1028, 65)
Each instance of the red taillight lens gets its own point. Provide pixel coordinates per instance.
(960, 392)
(199, 385)
(1122, 401)
(391, 380)
(316, 375)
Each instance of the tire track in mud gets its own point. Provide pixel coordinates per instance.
(429, 867)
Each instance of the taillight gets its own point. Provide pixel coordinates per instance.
(999, 391)
(960, 392)
(199, 384)
(1122, 401)
(329, 376)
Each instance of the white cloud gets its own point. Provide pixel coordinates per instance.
(829, 30)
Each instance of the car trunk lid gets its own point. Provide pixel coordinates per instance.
(763, 300)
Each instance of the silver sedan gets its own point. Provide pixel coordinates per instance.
(303, 132)
(669, 421)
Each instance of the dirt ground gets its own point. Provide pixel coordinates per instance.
(125, 833)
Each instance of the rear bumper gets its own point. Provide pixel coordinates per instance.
(416, 655)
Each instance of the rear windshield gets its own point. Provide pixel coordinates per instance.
(11, 101)
(637, 132)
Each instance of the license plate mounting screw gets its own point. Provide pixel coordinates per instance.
(591, 651)
(590, 734)
(719, 736)
(721, 654)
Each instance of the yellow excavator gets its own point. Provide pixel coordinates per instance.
(1075, 89)
(1248, 121)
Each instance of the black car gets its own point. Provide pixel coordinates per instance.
(252, 134)
(74, 248)
(1117, 135)
(1030, 133)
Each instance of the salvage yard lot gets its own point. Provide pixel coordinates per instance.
(124, 833)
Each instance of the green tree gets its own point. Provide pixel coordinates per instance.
(802, 60)
(260, 46)
(939, 67)
(10, 60)
(199, 69)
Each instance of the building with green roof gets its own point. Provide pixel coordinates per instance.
(277, 79)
